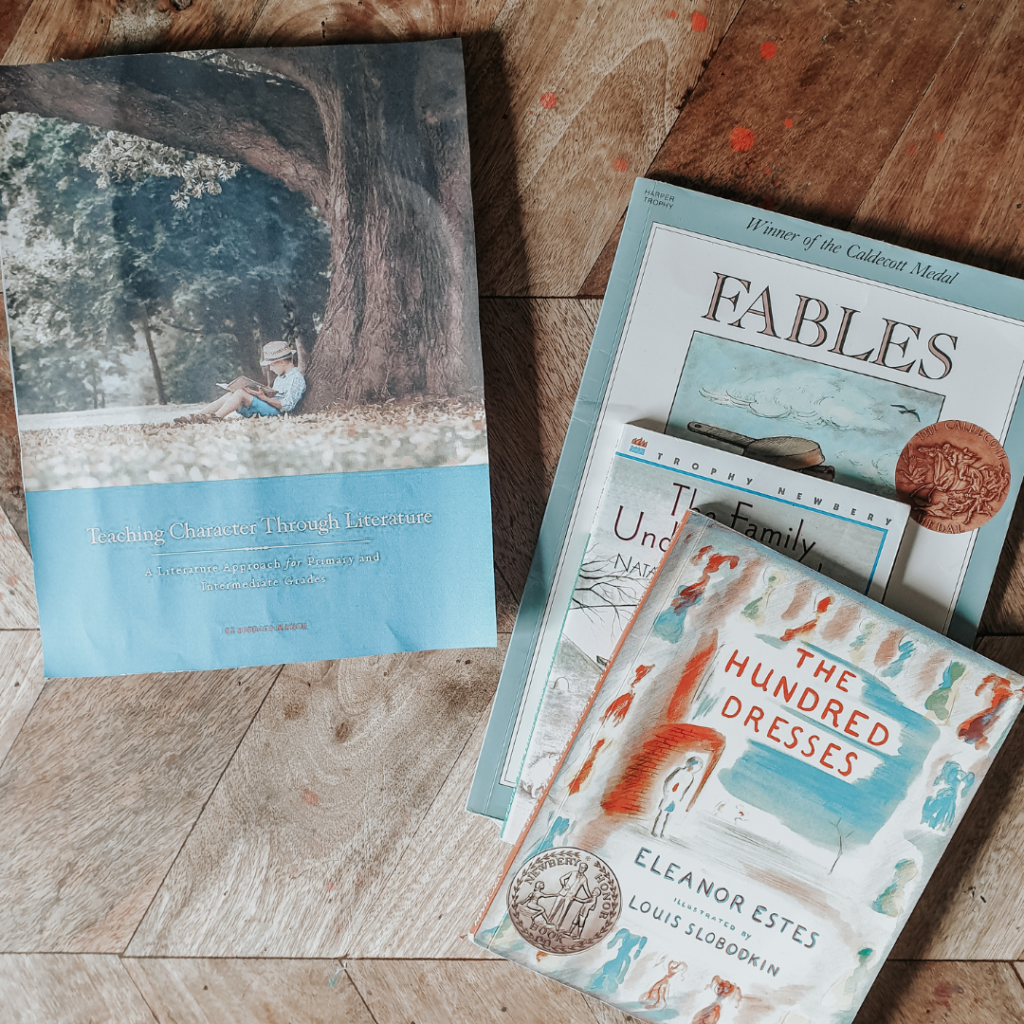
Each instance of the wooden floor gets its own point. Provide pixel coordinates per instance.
(289, 844)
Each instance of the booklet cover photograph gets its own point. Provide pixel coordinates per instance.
(242, 303)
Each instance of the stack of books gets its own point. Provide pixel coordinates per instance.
(738, 723)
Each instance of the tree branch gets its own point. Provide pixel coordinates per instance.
(189, 104)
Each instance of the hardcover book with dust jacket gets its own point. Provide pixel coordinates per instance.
(241, 290)
(754, 800)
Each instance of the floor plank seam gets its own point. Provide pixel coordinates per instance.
(206, 802)
(425, 817)
(42, 690)
(1016, 973)
(142, 995)
(355, 988)
(917, 107)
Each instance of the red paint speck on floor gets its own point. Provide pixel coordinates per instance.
(741, 139)
(767, 50)
(788, 122)
(548, 101)
(912, 149)
(940, 136)
(618, 164)
(673, 14)
(698, 21)
(309, 797)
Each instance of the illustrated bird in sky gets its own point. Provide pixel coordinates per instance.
(904, 411)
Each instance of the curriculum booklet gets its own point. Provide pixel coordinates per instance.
(885, 370)
(756, 797)
(297, 222)
(654, 480)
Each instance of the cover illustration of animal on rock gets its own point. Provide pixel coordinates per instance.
(754, 800)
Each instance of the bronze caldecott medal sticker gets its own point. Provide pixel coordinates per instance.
(564, 900)
(955, 476)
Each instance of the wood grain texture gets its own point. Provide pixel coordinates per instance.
(953, 993)
(973, 908)
(67, 988)
(825, 110)
(952, 188)
(534, 353)
(11, 14)
(427, 910)
(21, 682)
(197, 991)
(464, 992)
(297, 23)
(319, 804)
(953, 185)
(1004, 610)
(46, 30)
(12, 494)
(98, 792)
(568, 102)
(17, 587)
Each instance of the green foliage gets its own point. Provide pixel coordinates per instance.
(97, 247)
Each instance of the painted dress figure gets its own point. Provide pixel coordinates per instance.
(940, 810)
(677, 784)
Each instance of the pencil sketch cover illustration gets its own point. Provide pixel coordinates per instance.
(769, 774)
(224, 267)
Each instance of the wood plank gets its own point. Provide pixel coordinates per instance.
(464, 992)
(68, 988)
(11, 14)
(973, 908)
(952, 185)
(534, 351)
(17, 586)
(21, 682)
(67, 29)
(952, 188)
(427, 912)
(248, 991)
(338, 770)
(954, 993)
(99, 791)
(12, 494)
(825, 108)
(296, 22)
(568, 102)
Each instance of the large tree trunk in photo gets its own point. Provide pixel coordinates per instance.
(375, 140)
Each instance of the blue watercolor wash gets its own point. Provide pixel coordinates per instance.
(893, 670)
(810, 801)
(940, 810)
(612, 974)
(547, 841)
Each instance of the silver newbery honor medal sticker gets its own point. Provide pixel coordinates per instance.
(564, 900)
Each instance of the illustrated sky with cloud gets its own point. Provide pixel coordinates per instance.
(860, 422)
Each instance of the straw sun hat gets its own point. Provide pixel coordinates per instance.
(275, 350)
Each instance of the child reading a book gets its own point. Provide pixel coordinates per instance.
(289, 386)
